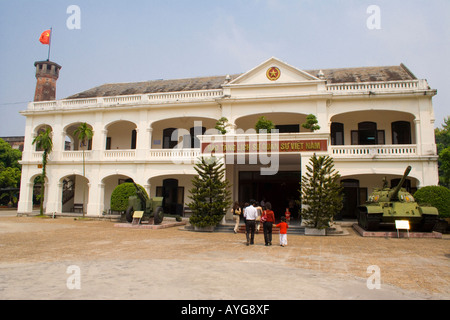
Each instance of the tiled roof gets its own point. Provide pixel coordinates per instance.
(343, 75)
(155, 86)
(366, 74)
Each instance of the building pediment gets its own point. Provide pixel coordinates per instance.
(273, 71)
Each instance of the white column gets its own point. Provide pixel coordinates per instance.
(98, 139)
(52, 193)
(25, 204)
(95, 205)
(58, 136)
(426, 124)
(98, 128)
(150, 136)
(95, 198)
(418, 137)
(143, 142)
(322, 116)
(28, 147)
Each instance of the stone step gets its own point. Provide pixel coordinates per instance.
(229, 228)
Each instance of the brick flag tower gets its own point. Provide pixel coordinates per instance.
(47, 73)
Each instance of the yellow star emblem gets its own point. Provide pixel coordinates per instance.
(273, 73)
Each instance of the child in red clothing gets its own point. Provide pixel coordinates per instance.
(287, 215)
(283, 231)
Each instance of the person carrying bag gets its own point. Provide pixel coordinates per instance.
(236, 215)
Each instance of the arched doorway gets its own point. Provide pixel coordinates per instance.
(372, 127)
(74, 194)
(353, 195)
(180, 132)
(173, 196)
(71, 141)
(40, 129)
(175, 188)
(121, 135)
(109, 184)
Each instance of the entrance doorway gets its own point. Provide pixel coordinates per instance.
(173, 196)
(281, 190)
(354, 196)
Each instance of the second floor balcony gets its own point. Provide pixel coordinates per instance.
(352, 135)
(299, 143)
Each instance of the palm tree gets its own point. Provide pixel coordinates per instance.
(44, 142)
(84, 134)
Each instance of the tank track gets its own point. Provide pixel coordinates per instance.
(428, 222)
(369, 222)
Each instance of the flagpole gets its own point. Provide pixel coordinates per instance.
(50, 43)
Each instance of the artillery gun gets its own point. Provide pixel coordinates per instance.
(152, 208)
(389, 204)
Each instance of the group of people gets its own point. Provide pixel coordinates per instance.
(254, 216)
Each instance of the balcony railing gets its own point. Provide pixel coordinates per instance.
(153, 155)
(373, 151)
(190, 155)
(118, 155)
(76, 155)
(378, 86)
(173, 155)
(138, 99)
(200, 95)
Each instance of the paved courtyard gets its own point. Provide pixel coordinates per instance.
(65, 258)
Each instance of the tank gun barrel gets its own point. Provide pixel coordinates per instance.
(394, 192)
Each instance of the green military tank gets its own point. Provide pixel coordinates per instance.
(386, 205)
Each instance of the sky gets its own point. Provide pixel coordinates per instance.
(129, 41)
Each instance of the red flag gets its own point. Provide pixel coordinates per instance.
(45, 37)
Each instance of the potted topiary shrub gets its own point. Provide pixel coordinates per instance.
(264, 125)
(311, 123)
(321, 194)
(210, 195)
(222, 125)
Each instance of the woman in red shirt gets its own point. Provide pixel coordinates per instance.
(268, 220)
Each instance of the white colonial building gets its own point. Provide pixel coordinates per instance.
(374, 122)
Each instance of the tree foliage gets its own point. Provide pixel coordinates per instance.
(444, 167)
(84, 133)
(221, 125)
(264, 124)
(436, 196)
(443, 149)
(210, 194)
(10, 172)
(443, 135)
(9, 157)
(321, 193)
(9, 166)
(9, 178)
(311, 123)
(44, 142)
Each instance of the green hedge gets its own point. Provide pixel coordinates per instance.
(120, 195)
(436, 196)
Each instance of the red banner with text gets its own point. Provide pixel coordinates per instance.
(281, 146)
